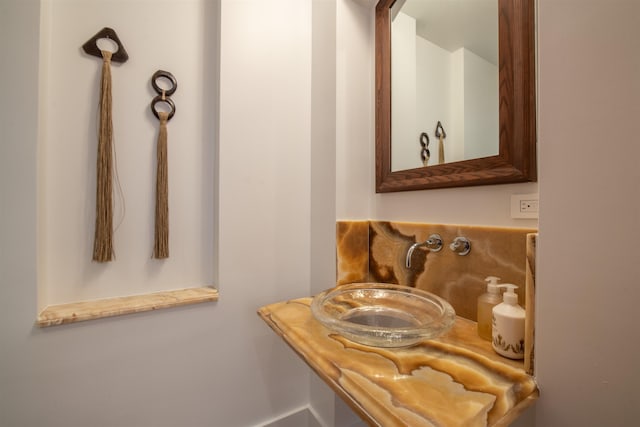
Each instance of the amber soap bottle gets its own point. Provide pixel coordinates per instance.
(486, 302)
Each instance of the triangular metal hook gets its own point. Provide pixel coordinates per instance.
(91, 46)
(440, 130)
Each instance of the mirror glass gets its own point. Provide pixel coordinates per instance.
(455, 93)
(444, 69)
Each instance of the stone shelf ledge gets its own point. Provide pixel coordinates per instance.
(108, 307)
(454, 380)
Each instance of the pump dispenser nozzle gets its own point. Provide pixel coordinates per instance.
(492, 284)
(509, 296)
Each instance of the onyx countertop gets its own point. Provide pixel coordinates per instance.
(454, 380)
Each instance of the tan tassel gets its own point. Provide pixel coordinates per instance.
(103, 238)
(161, 245)
(441, 135)
(441, 150)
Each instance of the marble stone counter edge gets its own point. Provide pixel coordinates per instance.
(108, 307)
(517, 410)
(267, 313)
(353, 404)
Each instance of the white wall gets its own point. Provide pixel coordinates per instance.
(404, 96)
(264, 186)
(455, 142)
(209, 364)
(481, 115)
(354, 109)
(587, 346)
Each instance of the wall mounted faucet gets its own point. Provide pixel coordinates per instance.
(433, 243)
(461, 245)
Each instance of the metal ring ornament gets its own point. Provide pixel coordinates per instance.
(424, 139)
(167, 75)
(425, 154)
(168, 101)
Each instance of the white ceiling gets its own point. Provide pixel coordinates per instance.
(452, 24)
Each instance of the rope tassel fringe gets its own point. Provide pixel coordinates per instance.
(103, 238)
(161, 241)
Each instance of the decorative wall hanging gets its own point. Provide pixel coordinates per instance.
(161, 239)
(425, 154)
(441, 135)
(103, 237)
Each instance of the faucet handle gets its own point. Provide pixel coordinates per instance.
(461, 245)
(434, 243)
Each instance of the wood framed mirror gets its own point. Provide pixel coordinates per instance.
(516, 158)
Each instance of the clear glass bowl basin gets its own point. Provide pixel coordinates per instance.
(383, 315)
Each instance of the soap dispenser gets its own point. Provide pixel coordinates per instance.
(486, 302)
(508, 325)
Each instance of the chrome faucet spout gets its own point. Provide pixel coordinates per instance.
(410, 252)
(433, 243)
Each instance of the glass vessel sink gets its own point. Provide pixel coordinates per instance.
(383, 315)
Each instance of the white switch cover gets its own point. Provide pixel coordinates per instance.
(524, 206)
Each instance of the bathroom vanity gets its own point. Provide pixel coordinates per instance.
(454, 380)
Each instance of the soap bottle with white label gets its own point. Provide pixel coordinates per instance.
(486, 302)
(508, 325)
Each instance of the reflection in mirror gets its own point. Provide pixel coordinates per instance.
(444, 69)
(466, 121)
